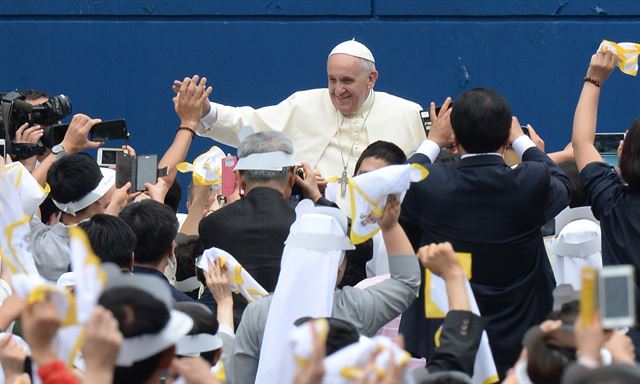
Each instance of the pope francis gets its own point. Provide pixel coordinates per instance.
(329, 127)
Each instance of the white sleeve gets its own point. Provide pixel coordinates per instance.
(521, 144)
(430, 149)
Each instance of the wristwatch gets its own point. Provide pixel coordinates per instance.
(57, 149)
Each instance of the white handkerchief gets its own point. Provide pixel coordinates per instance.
(240, 280)
(627, 55)
(368, 196)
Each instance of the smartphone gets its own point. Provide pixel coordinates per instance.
(124, 169)
(104, 131)
(608, 142)
(229, 177)
(146, 171)
(3, 148)
(525, 130)
(109, 130)
(617, 296)
(107, 156)
(426, 121)
(296, 191)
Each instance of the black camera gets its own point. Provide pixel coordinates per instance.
(16, 111)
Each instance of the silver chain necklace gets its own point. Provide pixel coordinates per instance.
(344, 178)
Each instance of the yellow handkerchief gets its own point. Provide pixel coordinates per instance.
(206, 168)
(627, 55)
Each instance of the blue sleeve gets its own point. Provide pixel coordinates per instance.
(602, 185)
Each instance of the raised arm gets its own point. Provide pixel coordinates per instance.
(441, 260)
(586, 115)
(188, 103)
(75, 140)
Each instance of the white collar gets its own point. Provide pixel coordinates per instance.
(481, 154)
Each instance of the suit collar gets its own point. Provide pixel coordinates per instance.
(481, 160)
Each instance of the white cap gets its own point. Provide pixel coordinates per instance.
(353, 48)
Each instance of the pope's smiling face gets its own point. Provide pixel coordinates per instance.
(349, 82)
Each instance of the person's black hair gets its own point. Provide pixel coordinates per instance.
(630, 157)
(174, 195)
(382, 150)
(72, 177)
(111, 238)
(356, 268)
(568, 312)
(578, 197)
(341, 333)
(548, 353)
(138, 313)
(155, 226)
(204, 321)
(188, 248)
(481, 120)
(447, 157)
(47, 208)
(33, 94)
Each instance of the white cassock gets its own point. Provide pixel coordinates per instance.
(311, 121)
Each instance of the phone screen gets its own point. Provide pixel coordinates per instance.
(608, 142)
(109, 130)
(616, 293)
(147, 171)
(124, 165)
(109, 156)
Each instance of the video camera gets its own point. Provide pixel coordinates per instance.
(16, 111)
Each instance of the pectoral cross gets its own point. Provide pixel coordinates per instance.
(344, 181)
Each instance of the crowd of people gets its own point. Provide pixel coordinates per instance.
(363, 243)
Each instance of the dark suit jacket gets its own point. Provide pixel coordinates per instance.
(484, 207)
(177, 295)
(253, 230)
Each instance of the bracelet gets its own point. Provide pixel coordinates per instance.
(592, 81)
(193, 131)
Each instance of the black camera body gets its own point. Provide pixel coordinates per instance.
(16, 111)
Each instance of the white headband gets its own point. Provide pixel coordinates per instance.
(138, 348)
(267, 161)
(107, 181)
(188, 285)
(307, 239)
(194, 345)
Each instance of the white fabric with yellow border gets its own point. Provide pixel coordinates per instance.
(206, 168)
(367, 196)
(14, 223)
(31, 193)
(240, 281)
(627, 55)
(437, 305)
(348, 365)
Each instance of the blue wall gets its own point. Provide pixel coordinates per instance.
(118, 58)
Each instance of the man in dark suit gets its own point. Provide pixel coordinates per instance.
(484, 207)
(254, 228)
